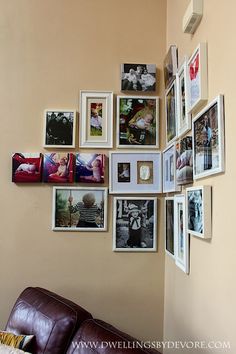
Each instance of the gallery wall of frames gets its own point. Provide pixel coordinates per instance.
(138, 171)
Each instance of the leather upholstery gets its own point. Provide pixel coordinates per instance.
(96, 336)
(51, 318)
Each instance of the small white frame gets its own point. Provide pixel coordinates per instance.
(169, 228)
(198, 204)
(105, 99)
(198, 77)
(181, 240)
(171, 113)
(169, 169)
(170, 65)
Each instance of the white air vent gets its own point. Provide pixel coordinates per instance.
(192, 16)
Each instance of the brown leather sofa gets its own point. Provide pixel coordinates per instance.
(62, 327)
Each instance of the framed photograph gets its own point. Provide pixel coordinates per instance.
(169, 226)
(183, 115)
(169, 170)
(171, 113)
(59, 128)
(184, 161)
(79, 209)
(137, 122)
(199, 211)
(208, 140)
(135, 172)
(58, 168)
(89, 168)
(197, 78)
(170, 65)
(27, 167)
(138, 77)
(180, 234)
(134, 224)
(96, 119)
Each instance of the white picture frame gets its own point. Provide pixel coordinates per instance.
(59, 128)
(169, 227)
(198, 78)
(208, 140)
(142, 237)
(137, 122)
(95, 197)
(96, 119)
(170, 65)
(183, 115)
(171, 113)
(198, 204)
(135, 172)
(169, 169)
(181, 235)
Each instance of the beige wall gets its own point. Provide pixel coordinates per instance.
(51, 49)
(202, 306)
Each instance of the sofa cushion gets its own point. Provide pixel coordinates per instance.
(6, 349)
(96, 336)
(16, 341)
(51, 318)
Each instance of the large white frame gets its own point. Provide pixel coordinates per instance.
(169, 186)
(219, 102)
(168, 199)
(172, 86)
(89, 189)
(107, 141)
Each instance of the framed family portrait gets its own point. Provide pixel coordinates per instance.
(169, 226)
(208, 139)
(169, 170)
(199, 211)
(198, 78)
(184, 161)
(59, 128)
(79, 209)
(181, 235)
(171, 113)
(135, 172)
(58, 167)
(96, 119)
(27, 167)
(170, 65)
(138, 77)
(89, 168)
(183, 115)
(134, 224)
(137, 122)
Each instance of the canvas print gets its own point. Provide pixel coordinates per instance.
(89, 168)
(138, 77)
(58, 167)
(59, 128)
(169, 226)
(171, 113)
(208, 135)
(79, 209)
(184, 161)
(27, 167)
(170, 65)
(134, 224)
(138, 122)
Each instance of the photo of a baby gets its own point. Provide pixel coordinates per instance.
(90, 168)
(138, 77)
(96, 119)
(123, 172)
(27, 167)
(58, 168)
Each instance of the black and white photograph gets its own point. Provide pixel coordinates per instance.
(138, 77)
(134, 224)
(59, 128)
(169, 226)
(199, 211)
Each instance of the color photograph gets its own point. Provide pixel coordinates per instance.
(171, 113)
(79, 209)
(184, 161)
(58, 168)
(169, 170)
(96, 119)
(89, 168)
(138, 77)
(170, 65)
(27, 167)
(138, 122)
(134, 224)
(123, 172)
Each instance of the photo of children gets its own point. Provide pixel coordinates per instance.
(123, 172)
(78, 209)
(184, 161)
(58, 168)
(27, 167)
(195, 214)
(134, 224)
(138, 77)
(60, 128)
(90, 168)
(170, 65)
(96, 119)
(138, 121)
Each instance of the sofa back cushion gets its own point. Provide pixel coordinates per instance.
(51, 318)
